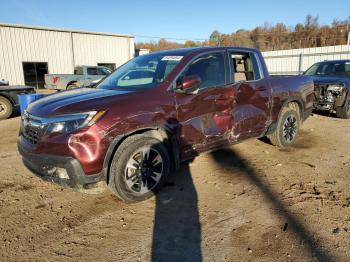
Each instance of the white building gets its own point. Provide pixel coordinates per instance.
(141, 51)
(27, 53)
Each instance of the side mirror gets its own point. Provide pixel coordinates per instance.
(190, 84)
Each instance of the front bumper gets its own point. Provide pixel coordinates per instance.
(326, 100)
(65, 171)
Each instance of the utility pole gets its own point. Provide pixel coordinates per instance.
(348, 31)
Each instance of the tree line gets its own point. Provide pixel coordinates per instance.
(269, 37)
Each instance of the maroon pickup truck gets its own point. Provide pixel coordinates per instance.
(156, 111)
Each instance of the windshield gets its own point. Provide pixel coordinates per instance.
(329, 69)
(143, 72)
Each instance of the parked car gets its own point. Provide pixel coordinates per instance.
(332, 86)
(3, 82)
(9, 99)
(83, 76)
(131, 136)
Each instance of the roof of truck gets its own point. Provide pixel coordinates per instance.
(186, 51)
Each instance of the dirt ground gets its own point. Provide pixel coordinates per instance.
(249, 202)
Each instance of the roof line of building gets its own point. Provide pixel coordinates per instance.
(63, 30)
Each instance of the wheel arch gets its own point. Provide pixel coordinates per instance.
(71, 82)
(297, 100)
(9, 98)
(156, 132)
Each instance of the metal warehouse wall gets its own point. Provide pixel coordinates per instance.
(294, 61)
(93, 49)
(20, 44)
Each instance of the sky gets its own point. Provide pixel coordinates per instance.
(173, 20)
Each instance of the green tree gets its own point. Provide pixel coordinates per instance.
(215, 38)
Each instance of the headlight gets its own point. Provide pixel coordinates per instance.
(71, 122)
(335, 88)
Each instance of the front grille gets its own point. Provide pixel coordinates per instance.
(31, 134)
(31, 128)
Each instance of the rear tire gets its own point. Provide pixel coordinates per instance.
(5, 108)
(344, 111)
(139, 168)
(288, 125)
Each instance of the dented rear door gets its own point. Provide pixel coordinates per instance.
(252, 99)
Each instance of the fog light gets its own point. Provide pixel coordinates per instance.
(62, 173)
(49, 170)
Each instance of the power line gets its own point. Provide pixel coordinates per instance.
(170, 38)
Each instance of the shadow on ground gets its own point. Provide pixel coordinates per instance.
(228, 158)
(177, 230)
(325, 113)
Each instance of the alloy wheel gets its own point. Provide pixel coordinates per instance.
(144, 170)
(290, 127)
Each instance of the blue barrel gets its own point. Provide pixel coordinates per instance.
(25, 99)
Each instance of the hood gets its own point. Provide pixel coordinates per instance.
(332, 80)
(73, 101)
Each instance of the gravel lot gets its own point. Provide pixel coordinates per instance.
(249, 202)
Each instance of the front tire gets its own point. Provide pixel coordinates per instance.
(344, 111)
(5, 108)
(288, 125)
(139, 168)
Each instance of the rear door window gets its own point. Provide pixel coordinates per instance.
(245, 66)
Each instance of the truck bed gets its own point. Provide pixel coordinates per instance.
(15, 88)
(285, 88)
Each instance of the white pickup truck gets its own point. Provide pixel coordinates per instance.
(83, 76)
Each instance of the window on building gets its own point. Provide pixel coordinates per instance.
(109, 65)
(34, 73)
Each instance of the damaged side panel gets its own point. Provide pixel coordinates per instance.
(251, 112)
